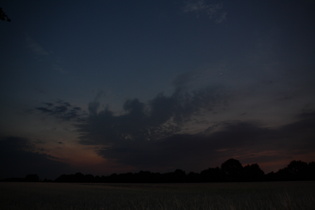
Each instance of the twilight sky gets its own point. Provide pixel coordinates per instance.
(118, 85)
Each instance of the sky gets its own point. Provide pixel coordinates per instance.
(117, 86)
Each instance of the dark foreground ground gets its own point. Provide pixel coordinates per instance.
(261, 195)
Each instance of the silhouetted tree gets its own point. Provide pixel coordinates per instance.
(78, 177)
(31, 178)
(212, 175)
(89, 178)
(176, 176)
(272, 176)
(296, 170)
(310, 171)
(232, 170)
(144, 176)
(193, 177)
(62, 178)
(112, 178)
(179, 175)
(3, 16)
(126, 177)
(253, 173)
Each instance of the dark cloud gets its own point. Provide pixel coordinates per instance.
(95, 104)
(213, 11)
(19, 158)
(301, 133)
(147, 129)
(177, 151)
(249, 141)
(192, 151)
(159, 118)
(62, 110)
(151, 136)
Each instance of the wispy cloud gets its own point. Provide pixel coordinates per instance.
(62, 110)
(95, 104)
(35, 47)
(43, 54)
(213, 11)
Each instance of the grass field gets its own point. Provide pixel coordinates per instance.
(268, 195)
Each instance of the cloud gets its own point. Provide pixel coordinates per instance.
(144, 129)
(18, 157)
(245, 140)
(302, 131)
(160, 117)
(153, 135)
(213, 11)
(62, 110)
(187, 151)
(43, 54)
(95, 104)
(35, 47)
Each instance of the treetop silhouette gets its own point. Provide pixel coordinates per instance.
(3, 16)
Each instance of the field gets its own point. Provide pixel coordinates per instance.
(268, 195)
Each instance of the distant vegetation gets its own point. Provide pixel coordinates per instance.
(230, 171)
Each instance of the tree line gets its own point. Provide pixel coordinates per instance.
(230, 171)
